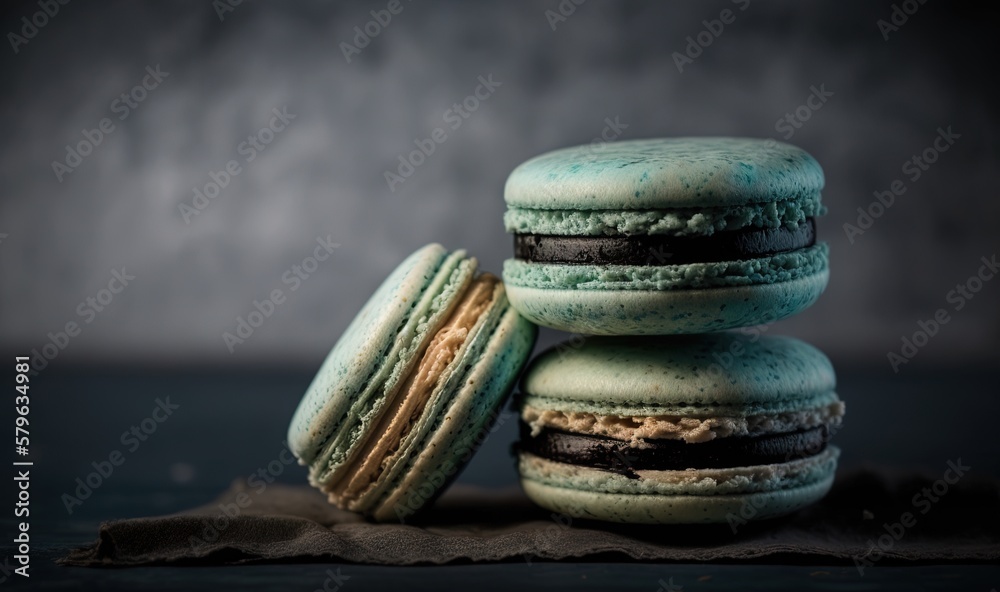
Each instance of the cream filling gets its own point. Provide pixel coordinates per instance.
(674, 427)
(416, 391)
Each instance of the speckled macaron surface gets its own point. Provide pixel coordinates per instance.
(665, 236)
(401, 402)
(718, 427)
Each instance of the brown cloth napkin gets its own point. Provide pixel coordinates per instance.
(861, 521)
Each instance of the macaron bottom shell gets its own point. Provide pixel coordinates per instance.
(692, 496)
(664, 312)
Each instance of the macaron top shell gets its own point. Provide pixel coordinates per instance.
(720, 373)
(666, 173)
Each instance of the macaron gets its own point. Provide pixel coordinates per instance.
(665, 236)
(408, 392)
(713, 428)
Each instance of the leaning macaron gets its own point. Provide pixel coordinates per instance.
(406, 394)
(721, 427)
(665, 236)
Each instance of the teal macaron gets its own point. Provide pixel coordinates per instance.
(665, 236)
(717, 428)
(406, 395)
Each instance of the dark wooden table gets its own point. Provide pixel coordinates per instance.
(229, 424)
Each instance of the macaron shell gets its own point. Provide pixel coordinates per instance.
(453, 435)
(678, 509)
(723, 374)
(376, 325)
(796, 472)
(665, 312)
(758, 271)
(665, 173)
(372, 356)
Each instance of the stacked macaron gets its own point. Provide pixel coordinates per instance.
(654, 237)
(661, 238)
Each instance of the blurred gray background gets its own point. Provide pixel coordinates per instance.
(324, 174)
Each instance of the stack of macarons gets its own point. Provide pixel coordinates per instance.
(664, 243)
(652, 249)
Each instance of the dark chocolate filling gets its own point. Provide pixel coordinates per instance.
(748, 243)
(672, 455)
